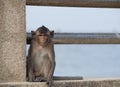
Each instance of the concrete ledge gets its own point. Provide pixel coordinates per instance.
(111, 82)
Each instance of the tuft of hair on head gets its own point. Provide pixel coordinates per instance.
(43, 29)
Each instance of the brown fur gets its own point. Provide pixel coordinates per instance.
(41, 57)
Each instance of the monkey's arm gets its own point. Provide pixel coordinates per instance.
(30, 64)
(53, 64)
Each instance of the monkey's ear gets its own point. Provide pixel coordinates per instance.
(33, 33)
(52, 34)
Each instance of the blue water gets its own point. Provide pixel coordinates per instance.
(87, 60)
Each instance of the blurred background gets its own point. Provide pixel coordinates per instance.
(80, 59)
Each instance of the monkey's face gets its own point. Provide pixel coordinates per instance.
(43, 38)
(43, 35)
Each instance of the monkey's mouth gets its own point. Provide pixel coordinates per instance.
(43, 40)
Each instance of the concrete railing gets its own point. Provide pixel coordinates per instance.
(113, 82)
(12, 41)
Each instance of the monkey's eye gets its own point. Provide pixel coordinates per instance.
(43, 35)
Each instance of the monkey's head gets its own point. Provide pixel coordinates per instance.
(43, 35)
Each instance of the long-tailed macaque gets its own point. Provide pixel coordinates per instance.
(41, 56)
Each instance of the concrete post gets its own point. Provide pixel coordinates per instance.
(12, 41)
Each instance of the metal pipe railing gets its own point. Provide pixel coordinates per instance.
(76, 3)
(83, 38)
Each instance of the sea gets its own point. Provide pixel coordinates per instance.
(87, 60)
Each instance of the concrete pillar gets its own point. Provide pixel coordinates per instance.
(12, 41)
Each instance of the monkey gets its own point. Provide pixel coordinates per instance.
(41, 56)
